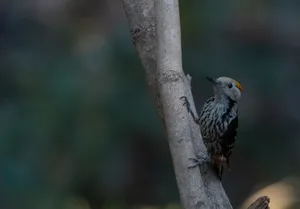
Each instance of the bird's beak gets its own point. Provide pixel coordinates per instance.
(213, 80)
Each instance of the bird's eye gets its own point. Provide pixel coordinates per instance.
(230, 85)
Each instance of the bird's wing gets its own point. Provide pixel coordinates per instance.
(228, 139)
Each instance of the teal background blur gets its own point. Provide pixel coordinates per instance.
(78, 128)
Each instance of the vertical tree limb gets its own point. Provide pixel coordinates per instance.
(155, 30)
(168, 84)
(171, 82)
(141, 17)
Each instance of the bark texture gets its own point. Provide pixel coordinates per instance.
(171, 83)
(155, 30)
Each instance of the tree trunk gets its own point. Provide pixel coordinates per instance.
(155, 30)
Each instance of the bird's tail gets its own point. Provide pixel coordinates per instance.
(219, 171)
(227, 163)
(219, 163)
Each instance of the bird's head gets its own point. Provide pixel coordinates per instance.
(226, 87)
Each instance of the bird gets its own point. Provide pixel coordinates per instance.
(218, 121)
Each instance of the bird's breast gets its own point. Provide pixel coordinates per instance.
(213, 124)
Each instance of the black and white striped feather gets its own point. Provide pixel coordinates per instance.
(219, 126)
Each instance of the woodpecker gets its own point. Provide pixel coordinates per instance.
(218, 121)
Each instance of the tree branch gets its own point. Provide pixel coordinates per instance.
(155, 30)
(171, 82)
(168, 84)
(141, 17)
(260, 203)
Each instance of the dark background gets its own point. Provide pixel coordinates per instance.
(78, 128)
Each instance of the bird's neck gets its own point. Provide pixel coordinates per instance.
(226, 105)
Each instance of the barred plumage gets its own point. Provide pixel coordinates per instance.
(218, 121)
(219, 125)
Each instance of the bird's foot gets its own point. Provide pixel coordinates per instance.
(187, 104)
(200, 161)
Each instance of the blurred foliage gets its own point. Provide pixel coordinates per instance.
(79, 129)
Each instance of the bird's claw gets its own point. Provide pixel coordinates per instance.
(197, 162)
(187, 104)
(200, 162)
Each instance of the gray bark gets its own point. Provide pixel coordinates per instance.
(171, 82)
(168, 83)
(155, 30)
(141, 17)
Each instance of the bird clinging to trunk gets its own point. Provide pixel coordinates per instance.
(218, 121)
